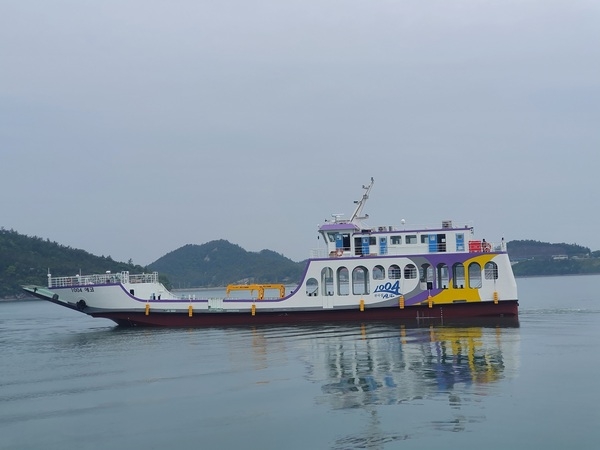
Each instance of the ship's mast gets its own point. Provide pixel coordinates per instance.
(360, 204)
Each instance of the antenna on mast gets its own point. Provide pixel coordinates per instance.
(360, 204)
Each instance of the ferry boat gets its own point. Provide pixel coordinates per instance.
(438, 274)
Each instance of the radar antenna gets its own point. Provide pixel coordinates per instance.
(360, 204)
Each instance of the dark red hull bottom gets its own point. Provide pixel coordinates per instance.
(443, 314)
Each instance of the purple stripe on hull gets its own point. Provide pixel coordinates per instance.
(413, 314)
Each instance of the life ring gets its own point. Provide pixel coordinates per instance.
(487, 247)
(339, 252)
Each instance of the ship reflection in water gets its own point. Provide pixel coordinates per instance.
(435, 377)
(384, 368)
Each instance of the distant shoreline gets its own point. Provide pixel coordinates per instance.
(196, 289)
(557, 275)
(216, 288)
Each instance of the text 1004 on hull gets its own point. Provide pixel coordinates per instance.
(419, 275)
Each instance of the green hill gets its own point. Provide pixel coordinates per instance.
(218, 263)
(529, 249)
(26, 260)
(535, 258)
(537, 267)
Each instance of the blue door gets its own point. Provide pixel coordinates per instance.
(339, 241)
(365, 245)
(433, 247)
(460, 242)
(383, 246)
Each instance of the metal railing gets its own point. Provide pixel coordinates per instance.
(472, 246)
(105, 278)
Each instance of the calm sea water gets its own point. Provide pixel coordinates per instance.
(72, 382)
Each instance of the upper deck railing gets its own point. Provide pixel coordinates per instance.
(472, 246)
(104, 278)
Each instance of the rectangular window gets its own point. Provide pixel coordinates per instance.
(396, 240)
(411, 239)
(424, 238)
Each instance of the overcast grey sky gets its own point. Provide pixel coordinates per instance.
(130, 128)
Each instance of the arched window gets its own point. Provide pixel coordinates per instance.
(394, 272)
(491, 271)
(312, 287)
(378, 273)
(458, 276)
(427, 276)
(343, 281)
(426, 273)
(474, 275)
(410, 271)
(360, 281)
(443, 276)
(327, 281)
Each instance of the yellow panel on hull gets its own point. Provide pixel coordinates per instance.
(452, 294)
